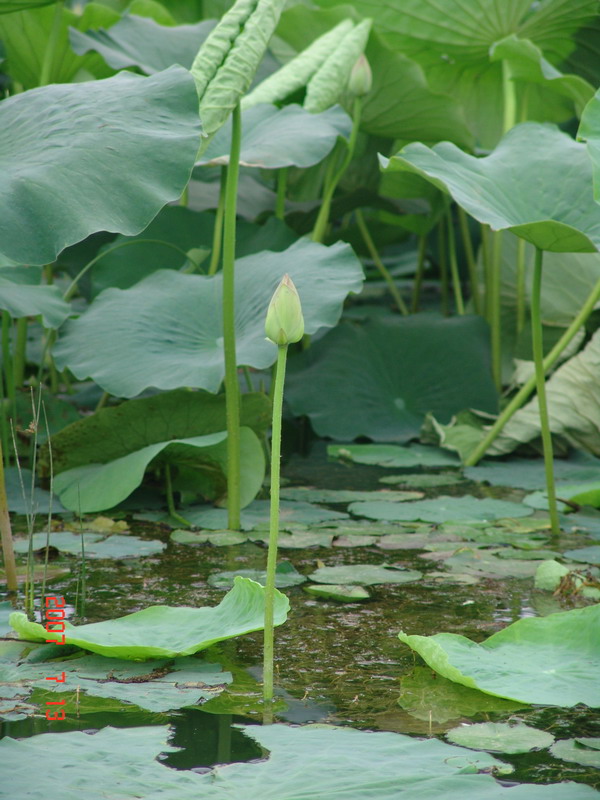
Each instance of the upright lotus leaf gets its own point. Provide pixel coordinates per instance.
(140, 42)
(166, 631)
(25, 300)
(573, 395)
(553, 660)
(589, 131)
(297, 72)
(455, 51)
(89, 157)
(98, 486)
(527, 63)
(280, 137)
(406, 367)
(116, 431)
(166, 330)
(225, 64)
(329, 81)
(26, 37)
(514, 188)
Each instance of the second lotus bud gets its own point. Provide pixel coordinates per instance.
(285, 324)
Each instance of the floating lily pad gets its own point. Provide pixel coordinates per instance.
(339, 592)
(391, 455)
(119, 546)
(428, 696)
(589, 555)
(549, 574)
(218, 538)
(296, 540)
(422, 481)
(166, 632)
(583, 750)
(310, 760)
(65, 542)
(500, 737)
(442, 509)
(486, 564)
(553, 660)
(345, 495)
(364, 574)
(256, 515)
(358, 540)
(286, 575)
(528, 473)
(413, 541)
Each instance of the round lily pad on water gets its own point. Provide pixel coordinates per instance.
(217, 538)
(500, 737)
(364, 574)
(583, 750)
(339, 592)
(391, 455)
(345, 495)
(589, 555)
(423, 481)
(441, 509)
(285, 576)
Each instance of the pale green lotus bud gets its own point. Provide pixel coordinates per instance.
(285, 323)
(361, 78)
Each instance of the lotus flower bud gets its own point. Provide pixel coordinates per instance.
(285, 323)
(361, 78)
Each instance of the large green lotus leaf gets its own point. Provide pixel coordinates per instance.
(23, 300)
(407, 367)
(553, 660)
(500, 737)
(428, 696)
(400, 104)
(441, 509)
(534, 157)
(97, 486)
(364, 574)
(455, 53)
(573, 397)
(392, 455)
(166, 331)
(589, 131)
(143, 43)
(273, 138)
(304, 761)
(86, 157)
(527, 63)
(174, 232)
(26, 38)
(168, 632)
(156, 686)
(118, 430)
(8, 6)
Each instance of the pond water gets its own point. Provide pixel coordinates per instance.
(336, 663)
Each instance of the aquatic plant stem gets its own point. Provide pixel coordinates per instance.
(331, 182)
(538, 358)
(418, 281)
(50, 51)
(20, 352)
(527, 388)
(510, 98)
(468, 246)
(10, 566)
(171, 500)
(458, 298)
(443, 264)
(232, 388)
(494, 309)
(521, 274)
(217, 242)
(273, 524)
(364, 231)
(281, 190)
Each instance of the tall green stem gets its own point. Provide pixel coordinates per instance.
(468, 246)
(362, 226)
(274, 524)
(19, 356)
(332, 182)
(538, 358)
(10, 567)
(418, 282)
(443, 262)
(50, 51)
(7, 364)
(521, 275)
(494, 309)
(232, 388)
(458, 298)
(510, 98)
(281, 189)
(215, 256)
(527, 388)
